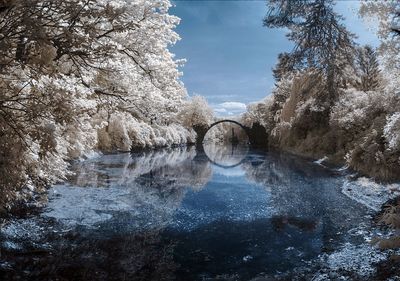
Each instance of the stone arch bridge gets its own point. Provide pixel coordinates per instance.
(257, 134)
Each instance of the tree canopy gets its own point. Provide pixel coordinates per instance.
(319, 36)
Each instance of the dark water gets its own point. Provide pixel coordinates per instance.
(176, 214)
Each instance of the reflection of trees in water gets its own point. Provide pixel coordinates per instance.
(304, 195)
(123, 168)
(268, 173)
(292, 182)
(286, 181)
(137, 195)
(225, 155)
(147, 188)
(187, 173)
(170, 168)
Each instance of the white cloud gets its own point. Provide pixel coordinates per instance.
(233, 105)
(220, 110)
(229, 108)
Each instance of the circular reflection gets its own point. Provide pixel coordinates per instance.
(226, 144)
(226, 155)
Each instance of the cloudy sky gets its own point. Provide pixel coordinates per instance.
(230, 55)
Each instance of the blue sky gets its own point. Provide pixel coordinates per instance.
(230, 55)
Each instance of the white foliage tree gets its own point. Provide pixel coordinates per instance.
(386, 15)
(196, 112)
(80, 75)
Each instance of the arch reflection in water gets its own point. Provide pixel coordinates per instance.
(226, 143)
(226, 155)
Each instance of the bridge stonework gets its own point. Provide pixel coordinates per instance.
(257, 134)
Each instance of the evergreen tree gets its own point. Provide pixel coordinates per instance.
(318, 34)
(283, 67)
(367, 69)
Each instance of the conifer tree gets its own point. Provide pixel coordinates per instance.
(367, 69)
(318, 34)
(283, 67)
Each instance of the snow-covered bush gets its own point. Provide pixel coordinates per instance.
(301, 114)
(304, 91)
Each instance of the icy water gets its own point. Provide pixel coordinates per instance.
(176, 214)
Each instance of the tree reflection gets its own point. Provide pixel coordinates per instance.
(226, 156)
(107, 223)
(146, 187)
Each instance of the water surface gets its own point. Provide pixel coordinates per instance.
(176, 214)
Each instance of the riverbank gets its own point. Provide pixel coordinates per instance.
(359, 128)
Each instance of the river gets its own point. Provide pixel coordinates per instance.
(229, 213)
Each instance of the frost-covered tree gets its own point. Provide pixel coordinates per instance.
(388, 20)
(392, 132)
(77, 75)
(259, 112)
(319, 36)
(196, 112)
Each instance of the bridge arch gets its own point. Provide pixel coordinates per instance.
(256, 134)
(246, 129)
